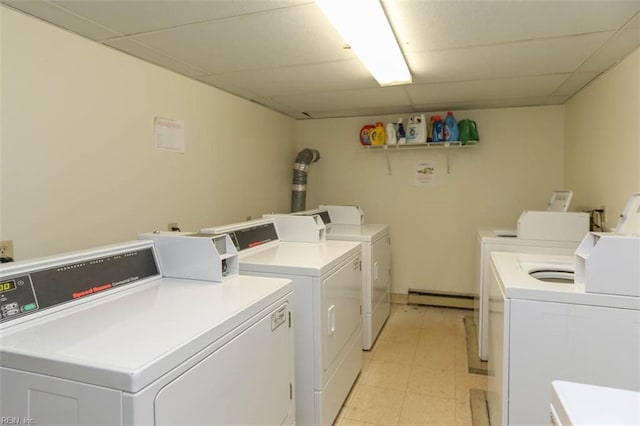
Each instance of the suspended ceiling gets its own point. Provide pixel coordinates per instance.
(285, 55)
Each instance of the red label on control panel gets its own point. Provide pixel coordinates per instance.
(91, 290)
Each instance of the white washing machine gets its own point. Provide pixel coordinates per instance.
(543, 326)
(346, 223)
(327, 283)
(102, 337)
(492, 240)
(574, 404)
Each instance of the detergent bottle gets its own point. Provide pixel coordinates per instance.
(451, 131)
(400, 134)
(412, 131)
(422, 129)
(378, 135)
(391, 134)
(437, 129)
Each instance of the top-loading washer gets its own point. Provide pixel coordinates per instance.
(574, 404)
(346, 223)
(102, 336)
(545, 326)
(488, 241)
(327, 282)
(554, 231)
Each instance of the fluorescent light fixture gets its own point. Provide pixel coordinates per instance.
(364, 26)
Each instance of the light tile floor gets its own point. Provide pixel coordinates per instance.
(416, 373)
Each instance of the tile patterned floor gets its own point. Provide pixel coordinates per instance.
(416, 373)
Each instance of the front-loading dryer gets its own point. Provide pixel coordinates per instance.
(102, 336)
(327, 283)
(346, 223)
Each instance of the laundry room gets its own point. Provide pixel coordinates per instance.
(84, 92)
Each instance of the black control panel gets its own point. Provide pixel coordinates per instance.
(36, 290)
(254, 236)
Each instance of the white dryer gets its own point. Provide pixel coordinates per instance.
(346, 223)
(102, 337)
(327, 283)
(545, 327)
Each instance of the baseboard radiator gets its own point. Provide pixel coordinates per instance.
(435, 298)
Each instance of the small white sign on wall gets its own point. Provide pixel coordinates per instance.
(425, 173)
(168, 134)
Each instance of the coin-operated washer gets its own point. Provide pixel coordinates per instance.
(554, 231)
(327, 283)
(548, 324)
(346, 223)
(119, 335)
(574, 404)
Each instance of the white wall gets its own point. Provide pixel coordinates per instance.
(78, 165)
(516, 166)
(603, 139)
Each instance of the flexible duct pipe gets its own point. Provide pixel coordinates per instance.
(299, 185)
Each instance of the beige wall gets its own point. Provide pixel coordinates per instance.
(602, 138)
(78, 164)
(517, 164)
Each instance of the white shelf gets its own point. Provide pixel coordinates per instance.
(449, 144)
(427, 145)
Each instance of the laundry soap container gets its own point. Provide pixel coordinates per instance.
(391, 134)
(451, 132)
(378, 135)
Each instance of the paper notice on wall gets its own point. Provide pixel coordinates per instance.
(168, 134)
(425, 173)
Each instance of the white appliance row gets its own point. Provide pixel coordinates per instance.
(327, 282)
(119, 335)
(544, 325)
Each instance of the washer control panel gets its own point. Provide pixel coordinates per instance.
(30, 292)
(16, 296)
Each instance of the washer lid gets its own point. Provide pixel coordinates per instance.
(367, 232)
(308, 259)
(128, 340)
(629, 222)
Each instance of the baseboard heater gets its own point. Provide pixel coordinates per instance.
(435, 298)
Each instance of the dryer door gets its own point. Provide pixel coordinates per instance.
(340, 312)
(246, 381)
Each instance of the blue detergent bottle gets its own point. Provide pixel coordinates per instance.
(451, 131)
(438, 133)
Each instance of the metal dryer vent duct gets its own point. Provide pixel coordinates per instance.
(299, 185)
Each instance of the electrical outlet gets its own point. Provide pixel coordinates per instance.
(173, 226)
(6, 248)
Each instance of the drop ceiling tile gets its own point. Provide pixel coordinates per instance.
(346, 99)
(575, 82)
(284, 37)
(64, 19)
(618, 47)
(433, 108)
(329, 76)
(428, 25)
(131, 17)
(236, 89)
(487, 90)
(536, 57)
(358, 112)
(148, 54)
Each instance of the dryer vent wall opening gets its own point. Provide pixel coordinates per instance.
(299, 185)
